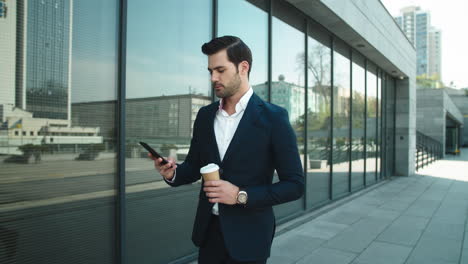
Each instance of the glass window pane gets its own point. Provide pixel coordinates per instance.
(358, 117)
(167, 83)
(253, 30)
(341, 118)
(379, 124)
(371, 125)
(287, 85)
(318, 120)
(58, 172)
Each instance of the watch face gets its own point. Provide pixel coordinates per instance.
(242, 198)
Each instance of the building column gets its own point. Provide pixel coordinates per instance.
(405, 127)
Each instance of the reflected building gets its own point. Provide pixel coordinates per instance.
(155, 120)
(44, 51)
(35, 100)
(7, 54)
(290, 96)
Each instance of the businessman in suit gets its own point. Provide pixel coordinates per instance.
(249, 139)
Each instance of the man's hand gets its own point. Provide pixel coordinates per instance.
(221, 192)
(167, 171)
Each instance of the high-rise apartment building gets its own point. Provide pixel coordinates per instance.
(43, 63)
(435, 56)
(7, 52)
(416, 24)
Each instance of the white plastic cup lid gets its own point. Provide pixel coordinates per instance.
(209, 168)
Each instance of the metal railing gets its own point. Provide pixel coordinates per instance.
(428, 150)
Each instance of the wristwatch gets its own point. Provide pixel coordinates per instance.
(242, 197)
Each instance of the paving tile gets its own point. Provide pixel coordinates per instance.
(384, 253)
(328, 256)
(351, 241)
(396, 205)
(465, 240)
(452, 212)
(372, 225)
(411, 221)
(358, 236)
(386, 214)
(280, 260)
(432, 247)
(320, 229)
(464, 257)
(445, 230)
(406, 236)
(359, 208)
(342, 217)
(425, 260)
(294, 246)
(422, 208)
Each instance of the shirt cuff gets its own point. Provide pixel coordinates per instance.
(173, 178)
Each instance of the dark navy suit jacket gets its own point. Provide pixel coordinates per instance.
(263, 142)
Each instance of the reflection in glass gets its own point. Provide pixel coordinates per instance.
(379, 124)
(358, 117)
(253, 30)
(318, 123)
(167, 84)
(57, 177)
(341, 119)
(163, 48)
(287, 86)
(371, 125)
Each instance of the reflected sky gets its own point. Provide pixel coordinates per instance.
(252, 29)
(288, 43)
(94, 50)
(164, 47)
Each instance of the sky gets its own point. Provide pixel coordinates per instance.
(450, 17)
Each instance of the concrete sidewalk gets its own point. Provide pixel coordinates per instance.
(419, 219)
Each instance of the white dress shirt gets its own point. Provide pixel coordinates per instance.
(225, 126)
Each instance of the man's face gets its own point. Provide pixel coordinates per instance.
(224, 75)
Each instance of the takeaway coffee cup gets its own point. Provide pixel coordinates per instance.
(210, 172)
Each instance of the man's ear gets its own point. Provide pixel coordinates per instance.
(244, 67)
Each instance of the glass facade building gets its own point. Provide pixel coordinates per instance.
(93, 78)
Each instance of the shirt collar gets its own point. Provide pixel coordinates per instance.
(242, 104)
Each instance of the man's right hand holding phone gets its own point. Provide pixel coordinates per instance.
(167, 170)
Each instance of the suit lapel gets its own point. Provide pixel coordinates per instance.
(213, 145)
(251, 114)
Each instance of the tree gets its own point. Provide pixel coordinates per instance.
(318, 65)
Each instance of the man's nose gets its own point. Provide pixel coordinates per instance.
(214, 77)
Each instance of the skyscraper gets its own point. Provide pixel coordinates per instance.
(416, 24)
(43, 82)
(7, 51)
(435, 56)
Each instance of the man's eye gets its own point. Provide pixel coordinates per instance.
(221, 71)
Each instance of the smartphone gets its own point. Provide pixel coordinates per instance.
(153, 152)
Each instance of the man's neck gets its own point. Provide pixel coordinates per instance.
(229, 103)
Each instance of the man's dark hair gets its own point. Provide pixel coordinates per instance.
(236, 49)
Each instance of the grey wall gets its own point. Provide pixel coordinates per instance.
(432, 109)
(461, 101)
(405, 127)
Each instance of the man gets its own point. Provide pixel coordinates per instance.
(249, 139)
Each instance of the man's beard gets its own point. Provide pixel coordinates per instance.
(230, 88)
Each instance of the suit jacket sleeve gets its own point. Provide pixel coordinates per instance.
(189, 170)
(287, 164)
